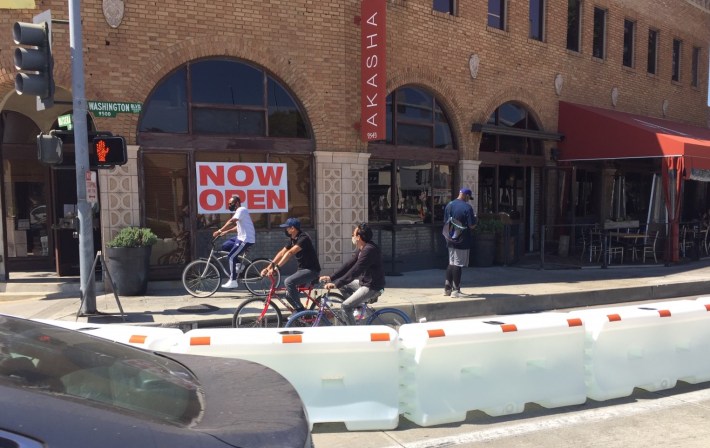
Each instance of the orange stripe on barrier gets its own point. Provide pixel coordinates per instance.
(577, 322)
(707, 307)
(379, 337)
(291, 339)
(613, 317)
(201, 340)
(664, 313)
(438, 333)
(137, 339)
(507, 328)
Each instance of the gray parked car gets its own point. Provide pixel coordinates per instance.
(60, 388)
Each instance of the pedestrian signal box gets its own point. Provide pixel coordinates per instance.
(108, 151)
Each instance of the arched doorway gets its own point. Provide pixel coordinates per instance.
(39, 200)
(411, 178)
(511, 173)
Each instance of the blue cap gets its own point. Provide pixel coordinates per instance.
(467, 191)
(292, 222)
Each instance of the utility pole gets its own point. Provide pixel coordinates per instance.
(81, 148)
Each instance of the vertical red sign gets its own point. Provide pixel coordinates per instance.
(373, 114)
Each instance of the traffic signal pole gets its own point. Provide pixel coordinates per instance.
(81, 148)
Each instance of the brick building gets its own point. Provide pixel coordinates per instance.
(474, 92)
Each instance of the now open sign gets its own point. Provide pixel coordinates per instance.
(262, 187)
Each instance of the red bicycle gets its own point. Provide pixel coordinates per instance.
(263, 312)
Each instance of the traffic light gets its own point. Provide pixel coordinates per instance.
(36, 63)
(108, 151)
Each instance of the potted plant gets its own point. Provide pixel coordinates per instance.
(128, 259)
(483, 246)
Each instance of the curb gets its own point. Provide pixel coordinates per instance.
(514, 304)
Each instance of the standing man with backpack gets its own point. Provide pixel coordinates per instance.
(459, 221)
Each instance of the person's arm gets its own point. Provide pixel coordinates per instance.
(340, 272)
(226, 227)
(473, 219)
(281, 259)
(274, 262)
(362, 263)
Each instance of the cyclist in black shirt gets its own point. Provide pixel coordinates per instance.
(362, 277)
(301, 246)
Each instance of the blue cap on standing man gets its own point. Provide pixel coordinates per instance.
(467, 192)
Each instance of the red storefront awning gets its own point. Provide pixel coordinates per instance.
(592, 133)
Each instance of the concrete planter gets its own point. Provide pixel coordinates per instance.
(483, 250)
(128, 267)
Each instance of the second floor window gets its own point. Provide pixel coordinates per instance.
(537, 19)
(574, 24)
(629, 40)
(496, 14)
(599, 38)
(446, 6)
(675, 65)
(695, 66)
(652, 52)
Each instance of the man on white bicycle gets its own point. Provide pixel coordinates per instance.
(246, 236)
(363, 277)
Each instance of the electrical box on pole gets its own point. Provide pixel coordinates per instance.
(49, 149)
(35, 63)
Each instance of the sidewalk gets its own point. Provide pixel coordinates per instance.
(489, 291)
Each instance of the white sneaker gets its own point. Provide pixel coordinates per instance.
(456, 294)
(231, 284)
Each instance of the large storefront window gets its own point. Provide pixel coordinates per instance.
(218, 110)
(25, 188)
(167, 206)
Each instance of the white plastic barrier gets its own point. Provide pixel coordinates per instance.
(151, 338)
(649, 346)
(343, 374)
(450, 368)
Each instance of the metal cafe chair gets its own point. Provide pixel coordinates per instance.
(649, 248)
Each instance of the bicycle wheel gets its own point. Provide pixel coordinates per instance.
(255, 283)
(201, 278)
(391, 317)
(308, 318)
(254, 313)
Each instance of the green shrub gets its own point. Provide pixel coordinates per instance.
(488, 225)
(133, 237)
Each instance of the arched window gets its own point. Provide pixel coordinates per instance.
(225, 97)
(415, 118)
(514, 116)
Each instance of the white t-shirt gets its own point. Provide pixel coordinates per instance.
(245, 226)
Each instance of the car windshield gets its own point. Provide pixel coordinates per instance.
(55, 360)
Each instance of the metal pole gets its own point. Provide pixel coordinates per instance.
(81, 148)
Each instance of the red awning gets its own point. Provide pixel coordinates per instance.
(592, 133)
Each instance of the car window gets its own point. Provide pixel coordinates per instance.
(66, 362)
